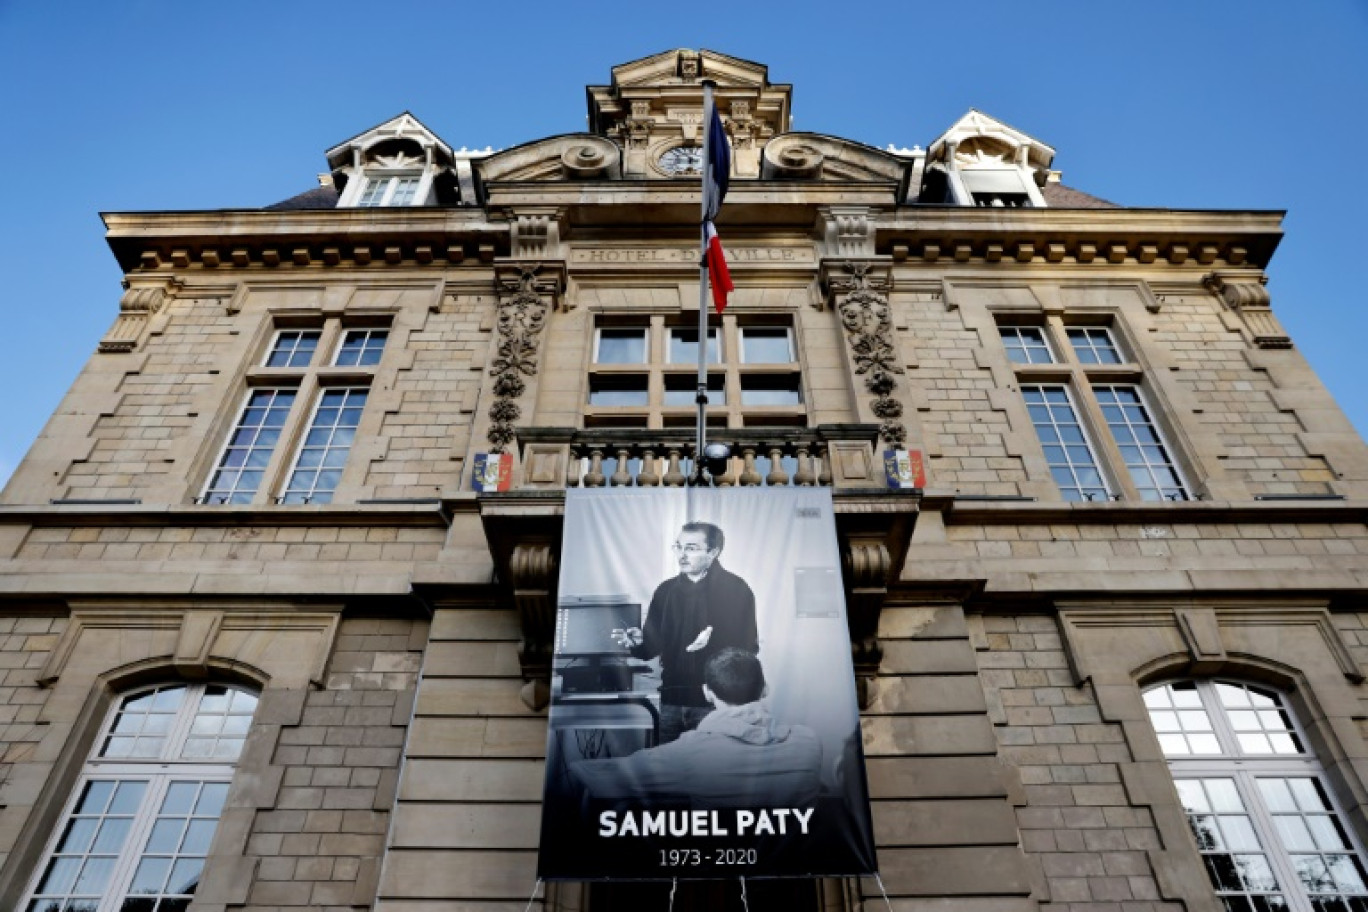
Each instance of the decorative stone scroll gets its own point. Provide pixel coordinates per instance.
(867, 567)
(1251, 301)
(533, 570)
(136, 307)
(525, 301)
(867, 318)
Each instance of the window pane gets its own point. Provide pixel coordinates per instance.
(684, 346)
(374, 192)
(84, 858)
(622, 346)
(327, 441)
(1151, 467)
(682, 390)
(1026, 344)
(293, 348)
(771, 389)
(618, 390)
(766, 345)
(140, 727)
(251, 442)
(1094, 345)
(405, 188)
(1235, 859)
(1074, 468)
(361, 347)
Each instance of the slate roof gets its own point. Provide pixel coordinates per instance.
(1061, 197)
(1057, 195)
(317, 198)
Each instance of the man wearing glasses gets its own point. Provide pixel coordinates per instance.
(692, 617)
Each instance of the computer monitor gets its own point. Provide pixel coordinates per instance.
(585, 624)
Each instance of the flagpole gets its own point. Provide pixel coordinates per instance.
(702, 395)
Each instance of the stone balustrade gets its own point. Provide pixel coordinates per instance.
(761, 457)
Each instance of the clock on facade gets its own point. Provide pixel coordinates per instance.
(682, 160)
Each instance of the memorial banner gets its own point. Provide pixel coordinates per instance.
(703, 721)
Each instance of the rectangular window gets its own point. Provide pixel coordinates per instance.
(361, 347)
(392, 190)
(1068, 453)
(1094, 345)
(1026, 344)
(1143, 450)
(771, 389)
(684, 346)
(1235, 860)
(682, 389)
(405, 188)
(766, 345)
(323, 454)
(243, 463)
(618, 390)
(621, 346)
(641, 375)
(293, 348)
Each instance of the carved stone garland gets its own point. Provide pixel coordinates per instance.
(522, 314)
(867, 318)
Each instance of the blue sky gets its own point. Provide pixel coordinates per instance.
(152, 104)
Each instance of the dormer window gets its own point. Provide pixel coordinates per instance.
(400, 163)
(983, 162)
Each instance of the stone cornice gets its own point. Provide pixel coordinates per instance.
(963, 512)
(424, 513)
(226, 238)
(934, 234)
(957, 234)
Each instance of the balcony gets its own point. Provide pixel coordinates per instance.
(837, 456)
(523, 526)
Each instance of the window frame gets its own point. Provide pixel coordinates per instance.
(302, 444)
(217, 465)
(1081, 380)
(391, 180)
(158, 774)
(308, 385)
(1108, 485)
(1245, 770)
(664, 375)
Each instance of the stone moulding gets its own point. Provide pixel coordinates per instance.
(865, 313)
(1254, 306)
(525, 301)
(137, 306)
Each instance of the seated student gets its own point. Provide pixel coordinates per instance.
(739, 756)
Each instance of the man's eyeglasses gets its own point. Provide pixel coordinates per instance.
(690, 549)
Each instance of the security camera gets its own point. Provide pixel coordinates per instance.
(715, 457)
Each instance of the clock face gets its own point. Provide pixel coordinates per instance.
(682, 160)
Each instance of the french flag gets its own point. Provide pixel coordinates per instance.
(715, 179)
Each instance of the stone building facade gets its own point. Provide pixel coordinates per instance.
(256, 622)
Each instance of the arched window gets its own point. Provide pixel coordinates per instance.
(137, 829)
(1269, 832)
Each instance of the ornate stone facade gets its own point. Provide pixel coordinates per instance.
(1132, 479)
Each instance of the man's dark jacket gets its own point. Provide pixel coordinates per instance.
(679, 612)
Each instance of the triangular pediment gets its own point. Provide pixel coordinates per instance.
(403, 134)
(981, 140)
(669, 86)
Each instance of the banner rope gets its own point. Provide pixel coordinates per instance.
(535, 887)
(745, 905)
(879, 880)
(674, 884)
